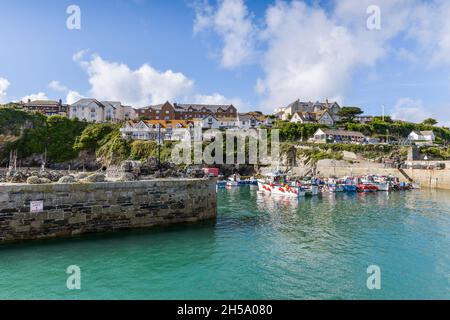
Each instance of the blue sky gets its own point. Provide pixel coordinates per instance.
(255, 54)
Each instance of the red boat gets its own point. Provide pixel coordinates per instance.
(366, 187)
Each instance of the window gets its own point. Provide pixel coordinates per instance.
(167, 111)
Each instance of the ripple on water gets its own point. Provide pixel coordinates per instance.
(260, 247)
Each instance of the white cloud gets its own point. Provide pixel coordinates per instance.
(35, 96)
(409, 110)
(430, 27)
(4, 85)
(57, 86)
(140, 87)
(73, 96)
(231, 21)
(217, 98)
(312, 54)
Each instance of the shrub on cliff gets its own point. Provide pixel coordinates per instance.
(113, 148)
(14, 121)
(290, 131)
(436, 152)
(56, 135)
(142, 150)
(92, 135)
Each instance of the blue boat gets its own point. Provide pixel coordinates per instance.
(350, 188)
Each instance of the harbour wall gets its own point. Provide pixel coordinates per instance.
(62, 210)
(427, 178)
(436, 179)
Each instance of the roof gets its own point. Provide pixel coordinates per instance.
(427, 132)
(163, 123)
(87, 102)
(312, 116)
(226, 118)
(342, 133)
(211, 107)
(246, 116)
(42, 103)
(309, 106)
(114, 104)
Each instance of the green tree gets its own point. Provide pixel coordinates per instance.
(348, 114)
(430, 122)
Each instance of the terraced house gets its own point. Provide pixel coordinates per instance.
(157, 129)
(317, 109)
(46, 107)
(176, 111)
(92, 110)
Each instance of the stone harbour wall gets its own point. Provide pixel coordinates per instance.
(435, 179)
(62, 210)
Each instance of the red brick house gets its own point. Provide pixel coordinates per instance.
(168, 111)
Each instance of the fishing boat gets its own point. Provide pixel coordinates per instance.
(311, 189)
(333, 185)
(350, 188)
(278, 184)
(367, 184)
(234, 180)
(221, 183)
(349, 184)
(366, 187)
(382, 182)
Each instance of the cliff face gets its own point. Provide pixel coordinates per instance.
(35, 137)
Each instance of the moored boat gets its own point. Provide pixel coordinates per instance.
(277, 184)
(366, 187)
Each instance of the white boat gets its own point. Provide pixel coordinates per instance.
(382, 186)
(276, 183)
(311, 190)
(234, 180)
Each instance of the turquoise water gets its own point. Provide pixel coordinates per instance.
(260, 247)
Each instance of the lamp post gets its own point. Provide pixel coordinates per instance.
(159, 147)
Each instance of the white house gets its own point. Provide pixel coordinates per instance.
(338, 136)
(301, 117)
(325, 117)
(228, 122)
(321, 117)
(92, 110)
(424, 137)
(89, 110)
(299, 106)
(173, 130)
(209, 122)
(247, 121)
